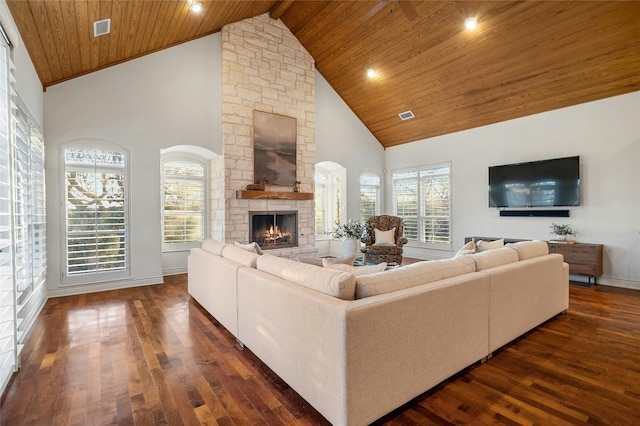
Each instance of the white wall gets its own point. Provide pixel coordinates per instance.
(341, 137)
(171, 97)
(606, 136)
(28, 84)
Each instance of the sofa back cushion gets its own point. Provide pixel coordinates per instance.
(325, 280)
(241, 256)
(213, 246)
(492, 258)
(529, 249)
(413, 275)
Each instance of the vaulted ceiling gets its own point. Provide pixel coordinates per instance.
(524, 57)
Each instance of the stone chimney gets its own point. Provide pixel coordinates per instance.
(264, 68)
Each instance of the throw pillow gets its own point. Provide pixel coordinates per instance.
(489, 245)
(252, 247)
(468, 248)
(347, 260)
(369, 269)
(338, 266)
(385, 238)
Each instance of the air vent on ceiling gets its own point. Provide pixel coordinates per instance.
(406, 115)
(101, 27)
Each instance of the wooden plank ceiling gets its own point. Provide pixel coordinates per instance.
(524, 57)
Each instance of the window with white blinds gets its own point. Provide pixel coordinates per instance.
(320, 196)
(422, 197)
(96, 212)
(369, 195)
(8, 343)
(330, 191)
(22, 222)
(184, 204)
(29, 239)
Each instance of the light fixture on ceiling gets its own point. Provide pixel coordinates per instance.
(196, 7)
(371, 73)
(471, 23)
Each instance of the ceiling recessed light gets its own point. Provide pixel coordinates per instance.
(471, 23)
(371, 73)
(196, 7)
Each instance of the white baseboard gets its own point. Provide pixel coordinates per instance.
(174, 271)
(111, 285)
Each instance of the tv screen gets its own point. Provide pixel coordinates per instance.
(547, 183)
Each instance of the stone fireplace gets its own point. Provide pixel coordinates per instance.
(274, 230)
(264, 68)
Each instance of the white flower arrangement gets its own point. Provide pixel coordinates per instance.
(352, 229)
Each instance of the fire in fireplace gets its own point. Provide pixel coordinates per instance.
(272, 230)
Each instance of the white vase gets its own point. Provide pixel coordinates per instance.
(350, 246)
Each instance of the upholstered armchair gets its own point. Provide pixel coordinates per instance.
(384, 239)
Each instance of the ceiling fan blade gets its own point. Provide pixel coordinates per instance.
(375, 9)
(408, 9)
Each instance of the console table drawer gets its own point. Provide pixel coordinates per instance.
(583, 259)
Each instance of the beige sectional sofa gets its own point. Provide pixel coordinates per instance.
(356, 348)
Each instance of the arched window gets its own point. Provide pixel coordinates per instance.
(329, 196)
(369, 195)
(184, 212)
(96, 211)
(320, 196)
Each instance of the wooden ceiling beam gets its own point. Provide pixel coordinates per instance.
(280, 8)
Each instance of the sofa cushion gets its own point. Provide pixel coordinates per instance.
(529, 249)
(495, 257)
(213, 246)
(325, 280)
(241, 256)
(413, 275)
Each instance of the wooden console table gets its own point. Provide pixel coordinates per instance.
(583, 258)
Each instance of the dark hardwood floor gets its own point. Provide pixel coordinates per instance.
(150, 356)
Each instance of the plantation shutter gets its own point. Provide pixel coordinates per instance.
(22, 223)
(405, 195)
(369, 196)
(436, 206)
(422, 197)
(320, 195)
(8, 349)
(184, 202)
(28, 219)
(95, 211)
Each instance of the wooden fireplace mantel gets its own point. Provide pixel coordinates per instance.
(274, 195)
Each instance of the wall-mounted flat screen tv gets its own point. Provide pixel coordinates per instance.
(547, 183)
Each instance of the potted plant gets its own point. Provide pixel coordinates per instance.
(562, 232)
(352, 231)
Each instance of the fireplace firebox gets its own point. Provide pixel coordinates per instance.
(273, 230)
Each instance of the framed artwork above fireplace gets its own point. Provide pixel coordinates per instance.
(274, 148)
